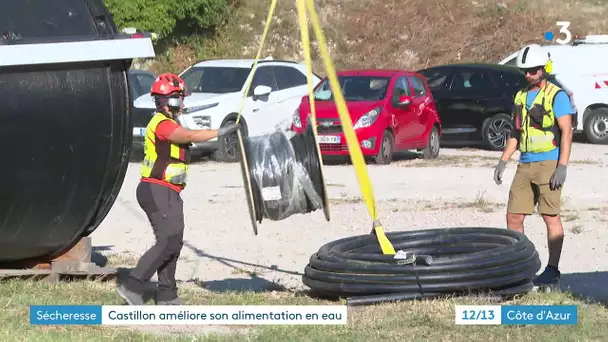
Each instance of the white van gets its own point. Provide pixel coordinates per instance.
(582, 68)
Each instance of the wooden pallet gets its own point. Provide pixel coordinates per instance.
(74, 264)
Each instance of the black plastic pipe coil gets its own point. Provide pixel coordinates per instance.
(68, 132)
(464, 260)
(273, 163)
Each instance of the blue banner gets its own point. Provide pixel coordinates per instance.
(188, 314)
(516, 314)
(539, 314)
(65, 314)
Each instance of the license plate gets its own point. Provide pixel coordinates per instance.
(139, 131)
(328, 139)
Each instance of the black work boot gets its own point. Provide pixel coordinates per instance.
(549, 279)
(129, 296)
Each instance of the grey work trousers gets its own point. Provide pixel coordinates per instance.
(165, 210)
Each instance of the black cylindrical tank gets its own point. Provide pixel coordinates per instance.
(65, 130)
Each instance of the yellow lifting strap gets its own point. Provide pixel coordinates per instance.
(352, 142)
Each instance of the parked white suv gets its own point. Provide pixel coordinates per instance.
(581, 69)
(217, 88)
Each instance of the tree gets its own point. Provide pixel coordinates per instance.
(170, 18)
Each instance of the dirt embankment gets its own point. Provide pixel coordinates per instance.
(409, 34)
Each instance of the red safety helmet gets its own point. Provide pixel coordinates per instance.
(168, 84)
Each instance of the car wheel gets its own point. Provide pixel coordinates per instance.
(596, 126)
(387, 148)
(496, 131)
(228, 147)
(431, 151)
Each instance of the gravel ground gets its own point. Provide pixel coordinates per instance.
(455, 190)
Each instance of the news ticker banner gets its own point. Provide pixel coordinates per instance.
(516, 314)
(279, 315)
(188, 314)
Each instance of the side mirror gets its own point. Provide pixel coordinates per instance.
(261, 90)
(404, 101)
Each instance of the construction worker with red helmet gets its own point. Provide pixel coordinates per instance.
(542, 121)
(163, 177)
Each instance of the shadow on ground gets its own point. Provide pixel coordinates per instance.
(253, 284)
(579, 138)
(250, 282)
(97, 257)
(587, 286)
(397, 157)
(345, 160)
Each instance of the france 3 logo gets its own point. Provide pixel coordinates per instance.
(564, 36)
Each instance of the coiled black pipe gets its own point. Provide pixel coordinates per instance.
(66, 129)
(285, 174)
(464, 260)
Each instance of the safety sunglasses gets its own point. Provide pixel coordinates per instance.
(531, 71)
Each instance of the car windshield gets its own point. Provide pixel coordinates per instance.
(355, 88)
(435, 78)
(217, 80)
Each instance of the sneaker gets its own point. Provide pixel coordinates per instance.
(548, 279)
(175, 301)
(129, 296)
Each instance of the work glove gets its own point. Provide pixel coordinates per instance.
(499, 170)
(559, 177)
(228, 129)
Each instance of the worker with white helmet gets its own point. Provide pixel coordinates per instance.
(543, 135)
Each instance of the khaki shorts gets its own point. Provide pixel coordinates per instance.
(531, 187)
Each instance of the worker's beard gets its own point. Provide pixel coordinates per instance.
(538, 82)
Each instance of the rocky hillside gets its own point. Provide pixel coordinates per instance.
(408, 34)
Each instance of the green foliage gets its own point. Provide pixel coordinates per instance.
(170, 18)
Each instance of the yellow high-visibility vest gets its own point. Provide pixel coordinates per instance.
(537, 128)
(164, 160)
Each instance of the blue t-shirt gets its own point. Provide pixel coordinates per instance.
(561, 107)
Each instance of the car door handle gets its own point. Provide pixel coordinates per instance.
(256, 109)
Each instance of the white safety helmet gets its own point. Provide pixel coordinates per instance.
(532, 56)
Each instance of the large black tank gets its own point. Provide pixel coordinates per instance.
(65, 129)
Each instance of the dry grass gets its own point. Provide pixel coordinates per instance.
(479, 203)
(577, 229)
(600, 214)
(345, 200)
(570, 216)
(127, 259)
(469, 161)
(450, 161)
(418, 320)
(587, 161)
(410, 34)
